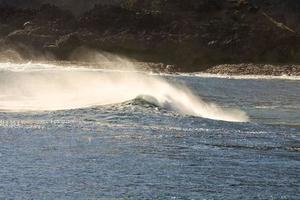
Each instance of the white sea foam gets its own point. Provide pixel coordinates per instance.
(47, 87)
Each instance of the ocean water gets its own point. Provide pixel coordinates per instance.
(78, 133)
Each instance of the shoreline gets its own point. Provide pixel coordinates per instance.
(246, 77)
(228, 71)
(255, 69)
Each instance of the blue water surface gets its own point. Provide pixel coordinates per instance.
(135, 150)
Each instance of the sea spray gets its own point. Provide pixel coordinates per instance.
(47, 87)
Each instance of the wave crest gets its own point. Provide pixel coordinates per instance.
(55, 89)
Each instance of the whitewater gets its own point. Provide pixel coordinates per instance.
(46, 87)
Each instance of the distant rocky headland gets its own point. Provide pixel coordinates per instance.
(190, 35)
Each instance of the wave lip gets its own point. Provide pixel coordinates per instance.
(188, 104)
(55, 89)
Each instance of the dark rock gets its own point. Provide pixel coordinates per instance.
(5, 30)
(28, 37)
(65, 45)
(195, 34)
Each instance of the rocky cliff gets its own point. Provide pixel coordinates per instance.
(195, 34)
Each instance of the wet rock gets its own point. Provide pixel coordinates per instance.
(255, 69)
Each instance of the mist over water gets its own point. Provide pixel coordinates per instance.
(47, 87)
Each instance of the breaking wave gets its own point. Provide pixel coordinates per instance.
(47, 87)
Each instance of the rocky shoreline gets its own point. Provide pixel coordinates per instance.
(255, 69)
(229, 69)
(244, 69)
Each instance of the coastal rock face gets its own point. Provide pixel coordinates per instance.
(195, 34)
(255, 69)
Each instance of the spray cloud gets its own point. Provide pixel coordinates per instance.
(40, 87)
